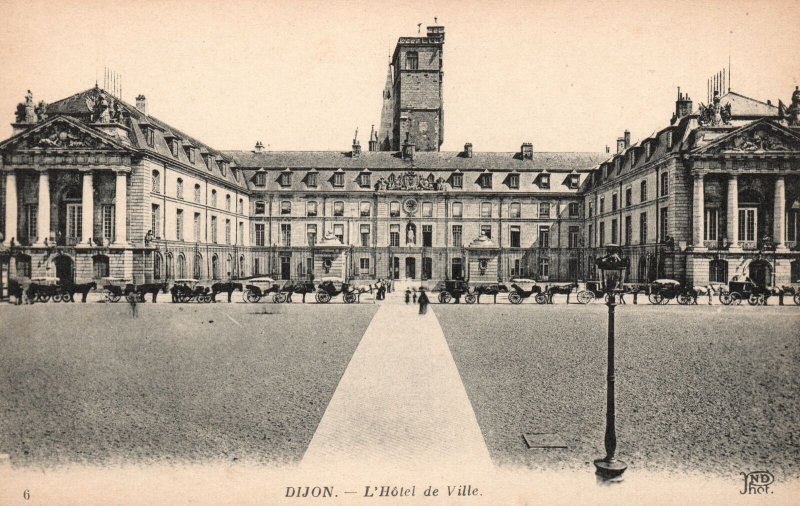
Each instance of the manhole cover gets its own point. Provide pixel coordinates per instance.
(544, 440)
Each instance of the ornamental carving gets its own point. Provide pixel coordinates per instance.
(27, 112)
(104, 109)
(60, 136)
(410, 180)
(792, 113)
(756, 140)
(715, 114)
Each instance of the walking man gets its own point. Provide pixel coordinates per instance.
(423, 301)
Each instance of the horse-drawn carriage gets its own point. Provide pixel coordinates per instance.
(187, 290)
(452, 289)
(522, 288)
(492, 289)
(257, 288)
(43, 289)
(661, 291)
(747, 290)
(331, 287)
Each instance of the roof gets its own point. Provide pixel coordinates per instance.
(746, 106)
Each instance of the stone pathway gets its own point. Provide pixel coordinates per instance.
(401, 403)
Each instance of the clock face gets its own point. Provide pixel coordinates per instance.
(410, 206)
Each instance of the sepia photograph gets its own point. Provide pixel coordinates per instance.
(430, 253)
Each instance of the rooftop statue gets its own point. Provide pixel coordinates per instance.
(715, 114)
(792, 113)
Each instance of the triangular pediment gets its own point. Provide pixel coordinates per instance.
(61, 133)
(763, 136)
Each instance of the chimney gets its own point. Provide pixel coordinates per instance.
(627, 139)
(683, 106)
(356, 146)
(436, 33)
(468, 150)
(259, 147)
(141, 104)
(620, 144)
(373, 139)
(527, 151)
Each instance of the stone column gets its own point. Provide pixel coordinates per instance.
(698, 213)
(43, 212)
(120, 209)
(779, 214)
(732, 214)
(11, 208)
(87, 210)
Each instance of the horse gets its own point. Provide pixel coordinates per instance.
(304, 287)
(228, 287)
(708, 290)
(81, 288)
(15, 290)
(141, 290)
(562, 289)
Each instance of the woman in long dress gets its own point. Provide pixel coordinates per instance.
(423, 301)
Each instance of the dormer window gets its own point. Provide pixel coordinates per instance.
(572, 181)
(285, 178)
(617, 164)
(647, 151)
(457, 180)
(544, 181)
(485, 180)
(632, 156)
(173, 146)
(669, 139)
(223, 167)
(191, 154)
(149, 135)
(260, 179)
(513, 181)
(311, 180)
(364, 180)
(210, 161)
(338, 179)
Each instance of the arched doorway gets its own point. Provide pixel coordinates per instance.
(411, 268)
(760, 272)
(241, 272)
(156, 265)
(64, 269)
(214, 267)
(198, 266)
(170, 267)
(181, 266)
(229, 267)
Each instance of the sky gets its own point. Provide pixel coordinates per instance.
(301, 75)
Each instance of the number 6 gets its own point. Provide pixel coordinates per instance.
(27, 494)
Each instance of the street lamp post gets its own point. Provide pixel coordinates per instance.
(612, 276)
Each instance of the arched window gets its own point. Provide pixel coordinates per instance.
(197, 193)
(227, 202)
(214, 267)
(718, 271)
(156, 265)
(179, 189)
(181, 266)
(156, 181)
(241, 267)
(23, 266)
(240, 209)
(170, 270)
(198, 266)
(100, 266)
(213, 198)
(641, 273)
(229, 267)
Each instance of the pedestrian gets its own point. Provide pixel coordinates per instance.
(423, 301)
(408, 295)
(414, 295)
(635, 294)
(134, 302)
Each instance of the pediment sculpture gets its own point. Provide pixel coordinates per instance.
(410, 180)
(60, 136)
(715, 114)
(756, 140)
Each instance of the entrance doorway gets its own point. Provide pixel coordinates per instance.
(64, 269)
(286, 267)
(395, 270)
(411, 268)
(457, 269)
(760, 272)
(427, 268)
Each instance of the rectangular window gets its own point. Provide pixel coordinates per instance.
(338, 231)
(227, 202)
(486, 209)
(544, 268)
(311, 234)
(286, 208)
(573, 237)
(514, 210)
(74, 223)
(643, 228)
(602, 240)
(286, 234)
(614, 232)
(108, 221)
(365, 209)
(364, 180)
(591, 210)
(643, 192)
(427, 209)
(574, 210)
(628, 231)
(338, 208)
(628, 197)
(311, 180)
(544, 236)
(240, 233)
(260, 179)
(791, 226)
(311, 208)
(485, 181)
(365, 235)
(602, 205)
(150, 136)
(514, 236)
(155, 221)
(363, 266)
(544, 181)
(394, 235)
(260, 227)
(748, 220)
(227, 231)
(179, 224)
(261, 207)
(197, 193)
(394, 209)
(669, 139)
(664, 183)
(427, 235)
(544, 210)
(286, 179)
(457, 236)
(487, 231)
(196, 230)
(338, 179)
(31, 213)
(664, 222)
(458, 209)
(573, 181)
(591, 236)
(412, 60)
(457, 180)
(513, 181)
(214, 229)
(711, 224)
(613, 201)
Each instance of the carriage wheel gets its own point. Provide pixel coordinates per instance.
(251, 296)
(279, 298)
(67, 297)
(585, 296)
(736, 298)
(470, 298)
(349, 298)
(184, 298)
(444, 297)
(515, 298)
(797, 299)
(666, 300)
(131, 297)
(753, 300)
(725, 298)
(57, 297)
(684, 299)
(323, 297)
(654, 298)
(112, 297)
(540, 298)
(43, 298)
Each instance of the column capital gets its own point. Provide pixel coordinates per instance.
(121, 170)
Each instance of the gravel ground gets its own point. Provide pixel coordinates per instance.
(701, 389)
(180, 383)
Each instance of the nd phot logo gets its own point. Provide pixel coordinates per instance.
(757, 482)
